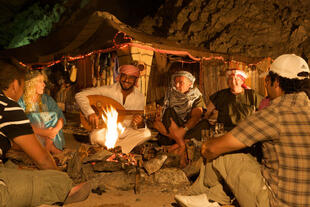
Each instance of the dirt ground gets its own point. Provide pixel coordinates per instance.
(149, 196)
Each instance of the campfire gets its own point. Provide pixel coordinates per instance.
(113, 129)
(108, 136)
(103, 163)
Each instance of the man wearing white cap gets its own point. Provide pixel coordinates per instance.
(283, 178)
(124, 91)
(234, 103)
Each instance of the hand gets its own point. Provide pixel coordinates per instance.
(52, 132)
(205, 151)
(31, 146)
(137, 120)
(93, 119)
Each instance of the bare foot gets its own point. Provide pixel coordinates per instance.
(181, 152)
(183, 160)
(183, 156)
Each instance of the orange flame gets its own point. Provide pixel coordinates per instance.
(113, 129)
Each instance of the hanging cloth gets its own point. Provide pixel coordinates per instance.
(115, 69)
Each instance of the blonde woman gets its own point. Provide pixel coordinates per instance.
(46, 118)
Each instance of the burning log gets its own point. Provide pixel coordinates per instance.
(98, 156)
(118, 156)
(104, 160)
(106, 166)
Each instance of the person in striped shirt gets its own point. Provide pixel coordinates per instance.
(15, 128)
(28, 187)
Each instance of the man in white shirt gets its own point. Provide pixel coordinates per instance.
(126, 94)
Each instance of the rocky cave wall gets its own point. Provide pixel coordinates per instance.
(255, 28)
(252, 28)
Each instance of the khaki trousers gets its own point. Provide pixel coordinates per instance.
(20, 188)
(241, 172)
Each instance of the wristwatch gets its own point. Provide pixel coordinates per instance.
(186, 128)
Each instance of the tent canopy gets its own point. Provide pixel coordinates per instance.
(100, 31)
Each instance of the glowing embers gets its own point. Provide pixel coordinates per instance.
(118, 156)
(108, 136)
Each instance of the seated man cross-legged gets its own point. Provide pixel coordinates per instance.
(182, 104)
(126, 93)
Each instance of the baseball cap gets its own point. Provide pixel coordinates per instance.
(290, 66)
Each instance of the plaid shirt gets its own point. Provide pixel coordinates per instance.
(284, 129)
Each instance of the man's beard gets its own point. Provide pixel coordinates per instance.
(126, 89)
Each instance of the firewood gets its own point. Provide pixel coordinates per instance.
(105, 166)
